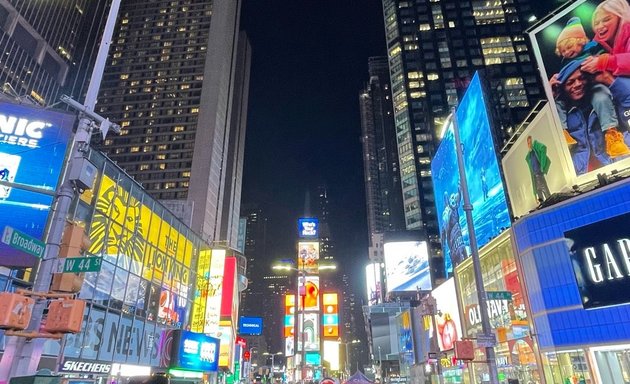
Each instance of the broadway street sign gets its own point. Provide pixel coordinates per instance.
(23, 242)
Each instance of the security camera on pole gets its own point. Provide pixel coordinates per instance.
(22, 354)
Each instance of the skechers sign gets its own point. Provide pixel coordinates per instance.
(600, 254)
(308, 227)
(195, 351)
(33, 144)
(251, 326)
(86, 366)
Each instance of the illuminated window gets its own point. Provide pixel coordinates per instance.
(424, 27)
(124, 76)
(498, 50)
(395, 51)
(515, 92)
(144, 167)
(433, 76)
(134, 149)
(194, 110)
(488, 12)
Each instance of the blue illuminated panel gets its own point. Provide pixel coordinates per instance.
(549, 272)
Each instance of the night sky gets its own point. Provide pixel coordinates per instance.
(309, 63)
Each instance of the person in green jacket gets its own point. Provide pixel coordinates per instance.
(538, 163)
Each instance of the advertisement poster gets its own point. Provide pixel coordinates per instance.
(311, 293)
(311, 331)
(407, 266)
(582, 57)
(447, 320)
(534, 168)
(405, 338)
(33, 145)
(483, 176)
(196, 351)
(308, 256)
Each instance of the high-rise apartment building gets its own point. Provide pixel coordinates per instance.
(43, 46)
(380, 155)
(434, 47)
(177, 83)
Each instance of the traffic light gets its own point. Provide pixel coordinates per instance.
(73, 244)
(15, 310)
(65, 316)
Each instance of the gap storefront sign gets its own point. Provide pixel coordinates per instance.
(575, 263)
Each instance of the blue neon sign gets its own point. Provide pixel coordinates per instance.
(308, 227)
(33, 145)
(197, 352)
(252, 326)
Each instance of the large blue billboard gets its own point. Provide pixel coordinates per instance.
(251, 326)
(33, 145)
(308, 227)
(485, 185)
(195, 351)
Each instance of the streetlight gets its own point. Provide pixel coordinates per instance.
(347, 358)
(300, 291)
(250, 369)
(273, 355)
(486, 330)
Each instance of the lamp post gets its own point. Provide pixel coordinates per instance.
(347, 355)
(299, 305)
(273, 355)
(486, 330)
(250, 369)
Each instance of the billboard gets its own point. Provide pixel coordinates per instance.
(308, 227)
(331, 354)
(600, 255)
(33, 145)
(310, 326)
(311, 293)
(289, 315)
(407, 266)
(195, 351)
(405, 339)
(373, 283)
(528, 185)
(447, 320)
(214, 292)
(587, 81)
(331, 314)
(483, 176)
(251, 326)
(308, 256)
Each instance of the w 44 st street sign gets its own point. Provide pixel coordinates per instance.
(80, 264)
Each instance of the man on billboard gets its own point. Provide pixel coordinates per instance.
(452, 231)
(538, 163)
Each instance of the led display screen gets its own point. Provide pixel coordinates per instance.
(407, 266)
(600, 255)
(405, 338)
(528, 183)
(311, 293)
(485, 185)
(33, 145)
(586, 80)
(308, 256)
(308, 227)
(195, 351)
(311, 332)
(447, 320)
(252, 326)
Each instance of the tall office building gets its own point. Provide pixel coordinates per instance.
(380, 156)
(177, 83)
(44, 46)
(434, 48)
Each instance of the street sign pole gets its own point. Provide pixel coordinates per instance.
(20, 357)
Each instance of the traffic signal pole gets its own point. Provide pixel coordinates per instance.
(21, 356)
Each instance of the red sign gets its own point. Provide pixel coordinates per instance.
(246, 355)
(464, 350)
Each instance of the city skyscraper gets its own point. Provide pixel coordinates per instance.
(434, 48)
(45, 47)
(177, 83)
(380, 156)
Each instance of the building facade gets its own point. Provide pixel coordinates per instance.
(177, 83)
(44, 47)
(433, 50)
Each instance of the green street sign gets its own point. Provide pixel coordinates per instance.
(81, 264)
(499, 295)
(23, 242)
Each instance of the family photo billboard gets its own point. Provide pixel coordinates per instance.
(583, 55)
(534, 168)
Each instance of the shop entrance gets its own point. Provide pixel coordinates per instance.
(613, 365)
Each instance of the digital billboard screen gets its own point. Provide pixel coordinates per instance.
(373, 283)
(578, 52)
(447, 320)
(252, 326)
(483, 176)
(308, 256)
(407, 266)
(308, 227)
(195, 351)
(33, 145)
(528, 183)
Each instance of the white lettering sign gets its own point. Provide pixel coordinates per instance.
(21, 131)
(86, 367)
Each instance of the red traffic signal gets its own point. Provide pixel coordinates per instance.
(246, 355)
